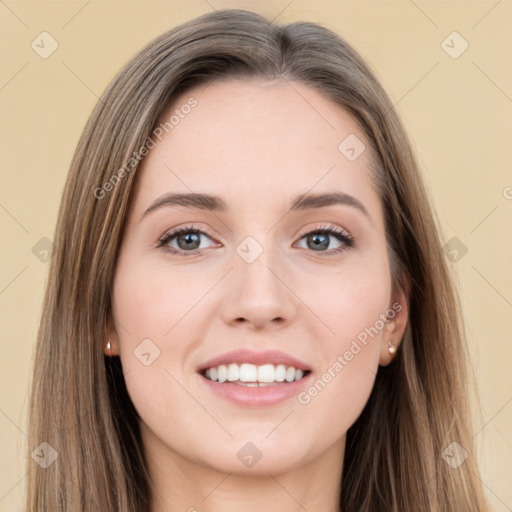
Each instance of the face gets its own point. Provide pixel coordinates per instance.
(260, 272)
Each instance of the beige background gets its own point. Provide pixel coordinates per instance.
(458, 112)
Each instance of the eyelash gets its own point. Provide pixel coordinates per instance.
(341, 235)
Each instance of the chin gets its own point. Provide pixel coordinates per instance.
(253, 455)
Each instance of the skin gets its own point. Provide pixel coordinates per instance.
(258, 144)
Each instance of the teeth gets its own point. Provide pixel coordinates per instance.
(280, 372)
(233, 372)
(266, 373)
(252, 375)
(222, 373)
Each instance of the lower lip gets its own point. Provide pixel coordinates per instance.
(257, 396)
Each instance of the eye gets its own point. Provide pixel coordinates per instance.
(187, 239)
(319, 240)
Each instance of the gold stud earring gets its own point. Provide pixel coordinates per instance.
(108, 348)
(392, 348)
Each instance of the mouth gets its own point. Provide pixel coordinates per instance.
(255, 379)
(252, 375)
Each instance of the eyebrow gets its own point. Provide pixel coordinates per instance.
(212, 203)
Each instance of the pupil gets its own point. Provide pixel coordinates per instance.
(189, 237)
(322, 244)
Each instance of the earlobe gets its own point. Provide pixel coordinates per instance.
(110, 344)
(394, 330)
(388, 352)
(108, 348)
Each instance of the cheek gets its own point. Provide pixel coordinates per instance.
(150, 310)
(350, 356)
(336, 398)
(149, 301)
(351, 303)
(358, 303)
(351, 299)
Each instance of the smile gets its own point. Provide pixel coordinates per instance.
(246, 374)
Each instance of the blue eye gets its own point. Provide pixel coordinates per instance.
(188, 240)
(320, 240)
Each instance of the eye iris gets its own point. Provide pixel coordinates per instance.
(320, 240)
(189, 237)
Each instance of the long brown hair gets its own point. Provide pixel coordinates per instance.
(394, 458)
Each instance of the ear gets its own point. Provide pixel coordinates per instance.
(111, 333)
(398, 314)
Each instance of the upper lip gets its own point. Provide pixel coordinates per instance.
(257, 358)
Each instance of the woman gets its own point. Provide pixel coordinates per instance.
(248, 306)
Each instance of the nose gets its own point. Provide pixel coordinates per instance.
(258, 294)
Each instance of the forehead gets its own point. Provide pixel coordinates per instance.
(245, 139)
